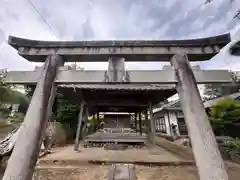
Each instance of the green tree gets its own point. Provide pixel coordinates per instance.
(65, 110)
(225, 117)
(6, 91)
(212, 91)
(29, 90)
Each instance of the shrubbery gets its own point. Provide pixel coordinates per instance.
(225, 118)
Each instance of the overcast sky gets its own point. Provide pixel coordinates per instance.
(115, 19)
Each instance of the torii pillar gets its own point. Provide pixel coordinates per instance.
(26, 150)
(205, 149)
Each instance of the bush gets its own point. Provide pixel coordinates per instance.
(225, 118)
(231, 151)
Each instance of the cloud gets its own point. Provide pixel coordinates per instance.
(107, 19)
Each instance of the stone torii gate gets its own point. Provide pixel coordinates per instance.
(54, 54)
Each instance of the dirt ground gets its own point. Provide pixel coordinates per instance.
(93, 172)
(47, 169)
(72, 173)
(152, 154)
(101, 172)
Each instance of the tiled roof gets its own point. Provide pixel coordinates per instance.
(212, 102)
(177, 105)
(173, 105)
(135, 87)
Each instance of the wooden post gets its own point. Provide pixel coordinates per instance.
(80, 119)
(26, 150)
(95, 122)
(135, 118)
(152, 125)
(208, 158)
(170, 128)
(98, 120)
(146, 124)
(85, 119)
(140, 123)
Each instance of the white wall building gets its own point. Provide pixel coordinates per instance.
(171, 113)
(167, 115)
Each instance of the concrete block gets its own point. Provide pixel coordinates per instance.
(122, 172)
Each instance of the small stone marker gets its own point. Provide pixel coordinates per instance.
(122, 172)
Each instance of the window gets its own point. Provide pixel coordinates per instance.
(160, 124)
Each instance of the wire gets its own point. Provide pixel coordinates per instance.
(51, 29)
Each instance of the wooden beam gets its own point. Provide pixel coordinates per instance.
(26, 150)
(80, 118)
(117, 104)
(208, 158)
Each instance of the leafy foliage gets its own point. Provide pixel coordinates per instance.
(65, 110)
(237, 15)
(6, 91)
(225, 118)
(17, 118)
(29, 90)
(235, 144)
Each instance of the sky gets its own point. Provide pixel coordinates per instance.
(116, 20)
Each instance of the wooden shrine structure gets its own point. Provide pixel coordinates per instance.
(117, 89)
